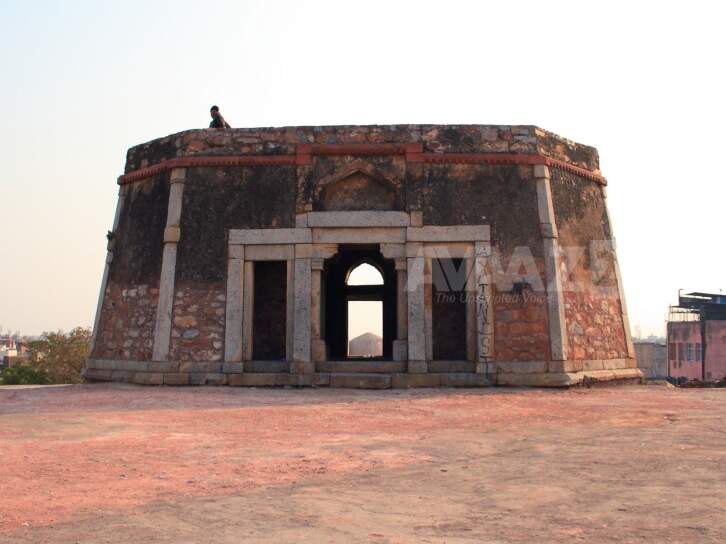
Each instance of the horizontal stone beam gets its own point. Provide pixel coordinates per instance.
(350, 235)
(361, 219)
(272, 252)
(458, 233)
(269, 236)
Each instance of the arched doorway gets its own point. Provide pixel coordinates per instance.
(357, 278)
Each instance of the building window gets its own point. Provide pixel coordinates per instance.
(689, 352)
(672, 351)
(698, 352)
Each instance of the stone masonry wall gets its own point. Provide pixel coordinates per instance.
(128, 312)
(592, 304)
(523, 139)
(198, 322)
(127, 323)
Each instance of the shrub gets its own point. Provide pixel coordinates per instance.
(23, 374)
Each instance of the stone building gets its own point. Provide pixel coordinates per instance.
(232, 248)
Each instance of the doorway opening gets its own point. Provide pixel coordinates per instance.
(360, 304)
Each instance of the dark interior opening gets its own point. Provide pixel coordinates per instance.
(448, 312)
(269, 311)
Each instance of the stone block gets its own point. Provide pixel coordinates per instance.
(352, 235)
(417, 218)
(172, 234)
(92, 374)
(148, 378)
(301, 220)
(135, 366)
(400, 350)
(122, 375)
(313, 380)
(457, 233)
(163, 366)
(249, 379)
(464, 379)
(178, 175)
(200, 366)
(541, 171)
(302, 367)
(406, 381)
(367, 219)
(176, 378)
(270, 236)
(361, 381)
(417, 367)
(320, 350)
(233, 368)
(271, 252)
(236, 252)
(212, 378)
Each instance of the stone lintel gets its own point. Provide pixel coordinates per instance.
(272, 252)
(358, 219)
(351, 235)
(270, 236)
(457, 233)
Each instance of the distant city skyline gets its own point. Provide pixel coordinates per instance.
(86, 81)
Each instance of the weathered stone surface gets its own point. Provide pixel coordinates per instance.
(417, 367)
(176, 378)
(406, 381)
(148, 378)
(428, 196)
(361, 381)
(200, 366)
(197, 378)
(358, 219)
(233, 368)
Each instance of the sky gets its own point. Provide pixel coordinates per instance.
(84, 81)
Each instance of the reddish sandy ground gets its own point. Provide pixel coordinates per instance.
(115, 463)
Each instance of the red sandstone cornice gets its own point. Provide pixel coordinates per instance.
(413, 153)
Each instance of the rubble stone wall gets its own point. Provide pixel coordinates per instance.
(593, 310)
(128, 312)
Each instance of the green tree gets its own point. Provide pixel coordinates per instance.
(61, 355)
(23, 374)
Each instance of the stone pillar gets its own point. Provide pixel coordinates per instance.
(290, 311)
(248, 309)
(621, 293)
(471, 309)
(400, 344)
(318, 343)
(301, 361)
(162, 329)
(235, 301)
(548, 228)
(107, 266)
(484, 307)
(416, 309)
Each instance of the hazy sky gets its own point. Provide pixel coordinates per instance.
(83, 81)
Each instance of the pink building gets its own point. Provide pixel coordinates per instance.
(697, 337)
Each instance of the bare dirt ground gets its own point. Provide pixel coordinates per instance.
(116, 463)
